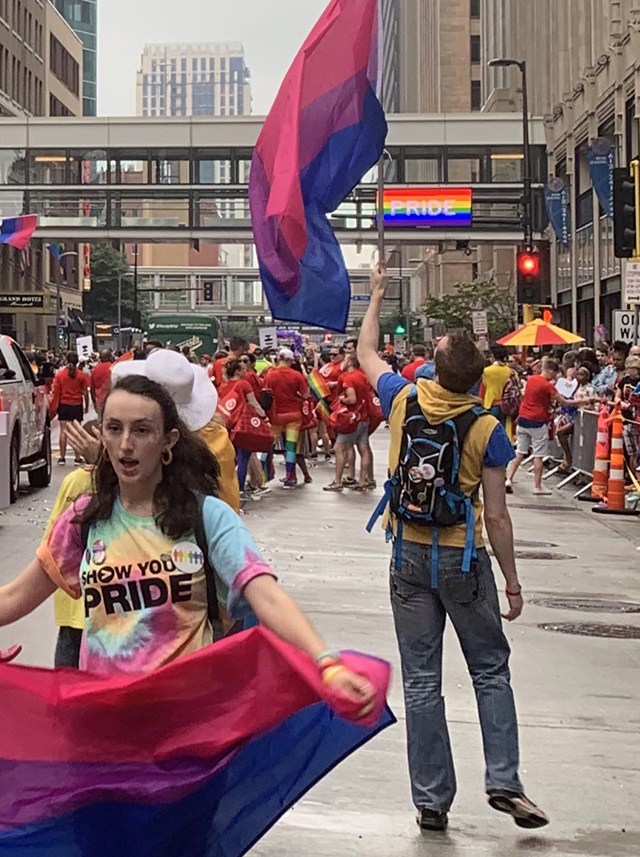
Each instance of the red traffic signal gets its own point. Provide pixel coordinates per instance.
(528, 264)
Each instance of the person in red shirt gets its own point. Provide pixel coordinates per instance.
(332, 371)
(71, 390)
(249, 362)
(420, 357)
(101, 379)
(353, 392)
(237, 346)
(243, 391)
(290, 389)
(532, 431)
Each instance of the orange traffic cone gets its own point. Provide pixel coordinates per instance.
(616, 497)
(601, 467)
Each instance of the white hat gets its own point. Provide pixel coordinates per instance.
(286, 354)
(189, 385)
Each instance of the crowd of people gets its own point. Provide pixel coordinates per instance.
(173, 426)
(538, 398)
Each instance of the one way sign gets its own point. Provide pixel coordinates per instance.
(624, 326)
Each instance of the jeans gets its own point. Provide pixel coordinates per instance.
(420, 612)
(242, 457)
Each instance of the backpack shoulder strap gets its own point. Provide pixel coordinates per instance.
(464, 421)
(210, 574)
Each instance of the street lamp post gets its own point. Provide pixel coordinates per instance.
(59, 292)
(528, 167)
(405, 300)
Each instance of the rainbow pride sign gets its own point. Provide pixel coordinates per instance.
(428, 207)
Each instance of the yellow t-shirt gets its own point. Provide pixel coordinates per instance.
(68, 612)
(440, 405)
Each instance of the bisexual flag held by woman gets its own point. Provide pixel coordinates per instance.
(326, 129)
(197, 759)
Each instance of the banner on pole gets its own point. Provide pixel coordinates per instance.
(601, 163)
(555, 195)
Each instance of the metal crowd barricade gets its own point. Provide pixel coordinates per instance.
(584, 446)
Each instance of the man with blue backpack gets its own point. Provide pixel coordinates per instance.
(444, 448)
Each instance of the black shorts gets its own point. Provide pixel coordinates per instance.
(69, 413)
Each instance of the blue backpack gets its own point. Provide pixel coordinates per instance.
(425, 489)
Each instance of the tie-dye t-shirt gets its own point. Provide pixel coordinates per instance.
(144, 593)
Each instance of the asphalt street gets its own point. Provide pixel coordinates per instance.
(578, 696)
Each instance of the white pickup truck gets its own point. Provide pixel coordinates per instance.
(26, 401)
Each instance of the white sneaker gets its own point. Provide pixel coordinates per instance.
(542, 492)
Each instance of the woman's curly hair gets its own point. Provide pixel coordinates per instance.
(193, 471)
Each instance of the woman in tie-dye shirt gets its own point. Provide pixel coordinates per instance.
(140, 572)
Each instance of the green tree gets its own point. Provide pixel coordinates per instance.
(101, 303)
(455, 310)
(247, 330)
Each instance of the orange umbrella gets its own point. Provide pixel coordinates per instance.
(539, 332)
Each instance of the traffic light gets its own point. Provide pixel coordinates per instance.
(208, 291)
(626, 211)
(400, 330)
(530, 285)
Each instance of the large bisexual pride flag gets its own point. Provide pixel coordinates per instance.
(198, 759)
(325, 131)
(17, 231)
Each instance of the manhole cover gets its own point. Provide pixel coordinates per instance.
(543, 555)
(523, 543)
(587, 605)
(617, 632)
(543, 507)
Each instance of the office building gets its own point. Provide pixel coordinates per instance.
(82, 16)
(193, 80)
(64, 62)
(583, 64)
(22, 58)
(432, 63)
(40, 75)
(197, 80)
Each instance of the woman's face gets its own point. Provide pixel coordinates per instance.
(134, 438)
(583, 376)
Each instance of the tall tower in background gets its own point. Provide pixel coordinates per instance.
(432, 55)
(199, 80)
(193, 80)
(433, 64)
(82, 16)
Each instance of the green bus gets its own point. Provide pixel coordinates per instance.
(201, 333)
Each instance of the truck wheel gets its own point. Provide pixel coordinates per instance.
(41, 478)
(14, 468)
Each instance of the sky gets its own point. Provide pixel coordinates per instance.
(272, 32)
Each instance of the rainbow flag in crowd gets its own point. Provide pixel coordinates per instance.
(17, 231)
(319, 386)
(200, 757)
(321, 392)
(325, 131)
